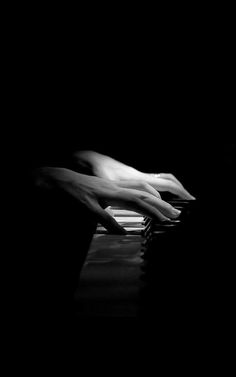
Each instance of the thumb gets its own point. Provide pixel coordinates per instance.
(106, 219)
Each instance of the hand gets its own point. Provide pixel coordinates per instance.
(106, 167)
(98, 193)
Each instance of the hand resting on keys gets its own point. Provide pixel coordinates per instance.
(97, 193)
(106, 167)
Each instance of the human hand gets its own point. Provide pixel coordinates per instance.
(126, 176)
(97, 193)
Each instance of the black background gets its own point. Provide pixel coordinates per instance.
(160, 103)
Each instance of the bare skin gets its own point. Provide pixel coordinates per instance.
(126, 176)
(97, 193)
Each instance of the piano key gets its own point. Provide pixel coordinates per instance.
(129, 219)
(122, 212)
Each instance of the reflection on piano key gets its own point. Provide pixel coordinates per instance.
(130, 220)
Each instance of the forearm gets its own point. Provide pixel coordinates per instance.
(50, 177)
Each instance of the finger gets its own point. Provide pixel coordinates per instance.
(169, 176)
(139, 185)
(165, 208)
(147, 204)
(148, 210)
(162, 184)
(109, 210)
(105, 218)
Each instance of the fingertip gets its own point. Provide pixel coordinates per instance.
(187, 196)
(175, 213)
(191, 197)
(164, 219)
(116, 228)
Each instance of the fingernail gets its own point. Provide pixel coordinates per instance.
(176, 211)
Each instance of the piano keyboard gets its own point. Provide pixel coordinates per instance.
(135, 223)
(124, 275)
(132, 221)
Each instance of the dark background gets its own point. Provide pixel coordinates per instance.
(160, 103)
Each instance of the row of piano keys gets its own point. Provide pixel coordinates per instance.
(135, 223)
(168, 270)
(161, 254)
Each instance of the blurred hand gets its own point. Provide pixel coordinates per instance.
(98, 193)
(125, 176)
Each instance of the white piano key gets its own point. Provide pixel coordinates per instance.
(122, 212)
(129, 219)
